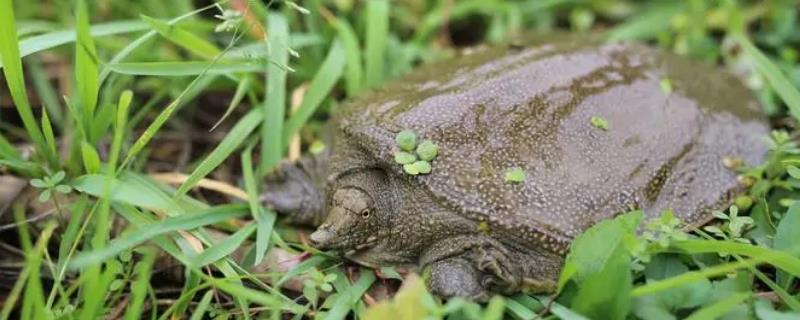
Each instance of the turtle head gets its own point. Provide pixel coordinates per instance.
(359, 211)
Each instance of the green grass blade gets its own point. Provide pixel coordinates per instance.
(779, 259)
(7, 150)
(691, 276)
(377, 19)
(322, 84)
(648, 23)
(47, 130)
(120, 126)
(146, 232)
(348, 298)
(85, 65)
(202, 307)
(230, 143)
(302, 267)
(91, 160)
(180, 36)
(777, 80)
(128, 49)
(223, 248)
(10, 57)
(265, 220)
(720, 308)
(46, 92)
(354, 70)
(263, 298)
(128, 191)
(142, 272)
(51, 40)
(184, 68)
(275, 99)
(241, 90)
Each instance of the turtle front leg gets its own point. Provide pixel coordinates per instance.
(456, 277)
(471, 266)
(296, 189)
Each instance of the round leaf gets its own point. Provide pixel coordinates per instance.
(427, 150)
(406, 140)
(423, 167)
(411, 169)
(403, 157)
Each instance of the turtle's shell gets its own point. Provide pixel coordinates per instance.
(671, 122)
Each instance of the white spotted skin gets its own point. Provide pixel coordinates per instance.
(500, 108)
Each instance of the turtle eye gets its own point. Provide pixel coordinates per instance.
(365, 213)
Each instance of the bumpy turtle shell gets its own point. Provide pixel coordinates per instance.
(531, 107)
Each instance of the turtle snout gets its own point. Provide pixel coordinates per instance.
(321, 237)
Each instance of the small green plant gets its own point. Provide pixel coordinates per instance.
(317, 281)
(515, 175)
(406, 140)
(414, 158)
(666, 85)
(50, 185)
(230, 20)
(427, 150)
(658, 234)
(599, 123)
(733, 225)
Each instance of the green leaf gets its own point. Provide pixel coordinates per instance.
(666, 85)
(140, 285)
(402, 157)
(599, 260)
(182, 37)
(787, 239)
(647, 23)
(223, 248)
(720, 308)
(230, 143)
(377, 26)
(91, 161)
(764, 310)
(129, 190)
(38, 183)
(779, 259)
(320, 87)
(50, 40)
(10, 57)
(688, 295)
(353, 294)
(202, 307)
(149, 231)
(120, 126)
(427, 150)
(599, 123)
(265, 220)
(47, 130)
(423, 167)
(411, 169)
(275, 100)
(241, 89)
(86, 61)
(302, 267)
(592, 298)
(406, 140)
(185, 68)
(515, 175)
(354, 71)
(777, 80)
